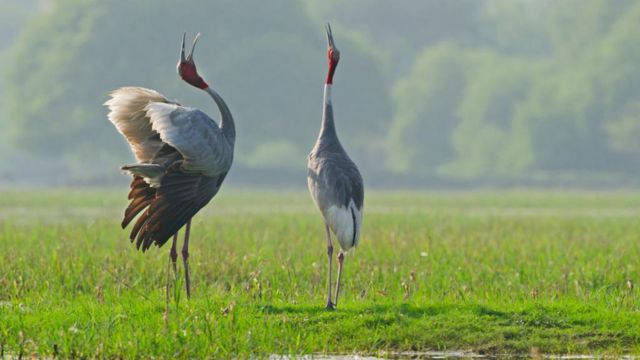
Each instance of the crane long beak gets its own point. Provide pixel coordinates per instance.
(182, 57)
(329, 36)
(193, 47)
(189, 57)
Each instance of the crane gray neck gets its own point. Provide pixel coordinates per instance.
(227, 125)
(328, 136)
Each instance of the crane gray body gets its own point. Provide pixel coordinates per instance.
(334, 182)
(183, 157)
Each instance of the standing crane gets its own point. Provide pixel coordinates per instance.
(334, 181)
(182, 158)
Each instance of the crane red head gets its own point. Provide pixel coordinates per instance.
(333, 54)
(187, 68)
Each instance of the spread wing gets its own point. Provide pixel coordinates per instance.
(184, 144)
(180, 196)
(127, 111)
(194, 135)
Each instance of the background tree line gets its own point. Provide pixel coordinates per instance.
(427, 92)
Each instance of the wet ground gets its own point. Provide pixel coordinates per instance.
(453, 354)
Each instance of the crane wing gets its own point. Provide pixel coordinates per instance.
(195, 135)
(335, 181)
(127, 112)
(336, 186)
(180, 196)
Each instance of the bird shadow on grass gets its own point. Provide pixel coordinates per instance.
(535, 316)
(409, 310)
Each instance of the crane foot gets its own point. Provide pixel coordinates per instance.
(330, 306)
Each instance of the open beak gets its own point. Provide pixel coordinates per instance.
(193, 47)
(188, 58)
(182, 58)
(332, 45)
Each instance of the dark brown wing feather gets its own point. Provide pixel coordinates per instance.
(180, 196)
(141, 195)
(138, 226)
(137, 186)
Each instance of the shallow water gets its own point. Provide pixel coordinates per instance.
(387, 355)
(453, 354)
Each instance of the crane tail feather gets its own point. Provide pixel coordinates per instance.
(167, 208)
(141, 196)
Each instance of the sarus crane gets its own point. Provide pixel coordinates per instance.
(182, 156)
(334, 181)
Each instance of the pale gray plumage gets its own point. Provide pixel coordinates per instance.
(183, 157)
(173, 144)
(157, 128)
(197, 137)
(127, 112)
(334, 181)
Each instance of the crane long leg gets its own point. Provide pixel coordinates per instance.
(173, 257)
(166, 304)
(340, 261)
(185, 257)
(330, 255)
(173, 254)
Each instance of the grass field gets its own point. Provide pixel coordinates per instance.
(492, 272)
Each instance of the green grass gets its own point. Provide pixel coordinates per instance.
(508, 273)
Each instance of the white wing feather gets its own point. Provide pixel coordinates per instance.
(127, 112)
(345, 222)
(195, 135)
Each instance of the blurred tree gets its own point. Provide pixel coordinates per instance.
(561, 117)
(13, 17)
(458, 89)
(574, 25)
(618, 56)
(518, 26)
(624, 132)
(265, 59)
(400, 32)
(579, 110)
(566, 104)
(497, 85)
(426, 102)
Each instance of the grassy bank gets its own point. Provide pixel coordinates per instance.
(515, 272)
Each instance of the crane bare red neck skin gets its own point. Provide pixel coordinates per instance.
(187, 67)
(333, 54)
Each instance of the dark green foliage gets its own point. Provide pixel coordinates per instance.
(500, 90)
(426, 117)
(252, 52)
(567, 105)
